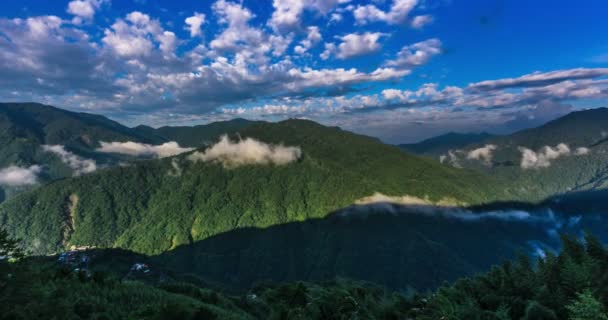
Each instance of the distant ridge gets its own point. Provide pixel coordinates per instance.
(582, 165)
(445, 142)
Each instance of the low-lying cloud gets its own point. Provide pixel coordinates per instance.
(137, 149)
(15, 176)
(545, 223)
(543, 157)
(449, 212)
(483, 154)
(378, 197)
(78, 164)
(246, 151)
(452, 158)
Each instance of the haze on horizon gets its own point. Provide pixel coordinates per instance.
(401, 70)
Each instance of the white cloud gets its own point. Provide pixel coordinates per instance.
(287, 14)
(78, 164)
(416, 54)
(330, 48)
(398, 95)
(313, 37)
(540, 79)
(420, 22)
(542, 158)
(84, 9)
(133, 37)
(310, 78)
(268, 109)
(358, 44)
(452, 158)
(238, 31)
(397, 14)
(14, 176)
(194, 24)
(483, 154)
(581, 151)
(143, 150)
(43, 56)
(245, 152)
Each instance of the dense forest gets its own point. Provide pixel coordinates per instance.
(580, 166)
(569, 286)
(149, 208)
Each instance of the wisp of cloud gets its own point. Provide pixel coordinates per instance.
(78, 164)
(15, 176)
(137, 149)
(247, 151)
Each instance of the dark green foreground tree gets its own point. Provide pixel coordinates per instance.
(9, 248)
(570, 286)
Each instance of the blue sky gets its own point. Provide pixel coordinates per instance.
(402, 70)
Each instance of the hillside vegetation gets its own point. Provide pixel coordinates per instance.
(568, 286)
(25, 128)
(154, 206)
(582, 166)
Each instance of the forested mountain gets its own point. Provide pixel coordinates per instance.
(296, 200)
(27, 130)
(399, 247)
(157, 205)
(26, 127)
(567, 154)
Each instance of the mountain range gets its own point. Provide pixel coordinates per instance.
(564, 155)
(239, 201)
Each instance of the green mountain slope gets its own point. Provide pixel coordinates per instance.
(583, 167)
(152, 206)
(399, 247)
(26, 127)
(41, 124)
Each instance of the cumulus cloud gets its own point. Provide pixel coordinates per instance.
(238, 31)
(287, 14)
(416, 54)
(78, 164)
(84, 9)
(245, 152)
(194, 24)
(358, 44)
(141, 71)
(137, 149)
(313, 37)
(483, 154)
(397, 14)
(133, 37)
(41, 55)
(420, 22)
(137, 64)
(15, 176)
(542, 159)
